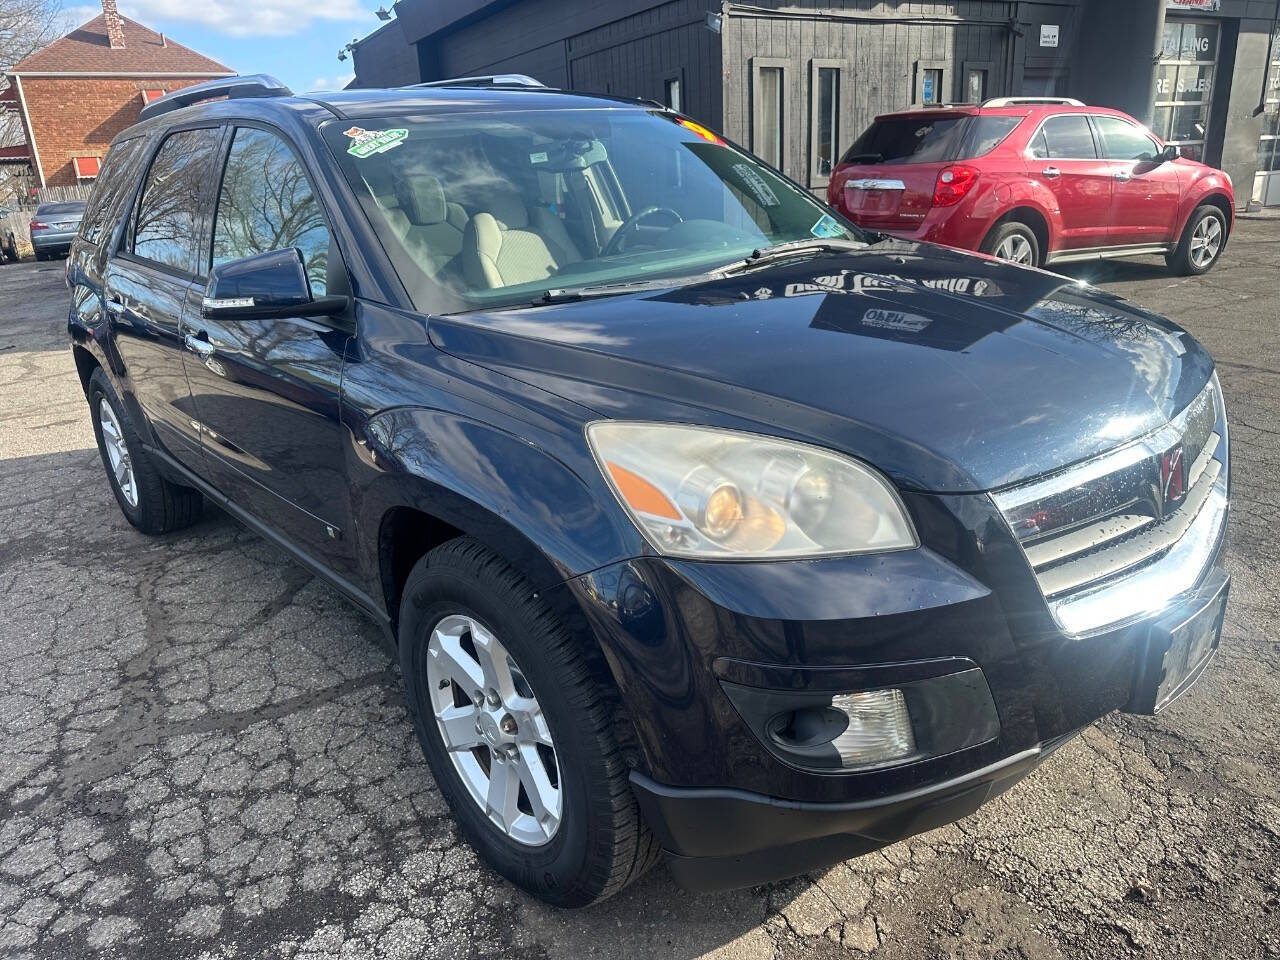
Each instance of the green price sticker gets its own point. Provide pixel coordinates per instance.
(365, 143)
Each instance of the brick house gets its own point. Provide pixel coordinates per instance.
(81, 90)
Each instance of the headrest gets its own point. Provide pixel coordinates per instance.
(506, 206)
(421, 198)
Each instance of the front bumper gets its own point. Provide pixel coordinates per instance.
(682, 638)
(724, 839)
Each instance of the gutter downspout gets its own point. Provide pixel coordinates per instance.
(1266, 65)
(31, 132)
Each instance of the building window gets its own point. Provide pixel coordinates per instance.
(150, 96)
(1184, 84)
(824, 120)
(671, 93)
(1266, 182)
(767, 118)
(975, 85)
(86, 167)
(929, 80)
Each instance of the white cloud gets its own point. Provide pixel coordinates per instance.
(331, 83)
(239, 18)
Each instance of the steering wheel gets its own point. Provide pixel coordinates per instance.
(615, 243)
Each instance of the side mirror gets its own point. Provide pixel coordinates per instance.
(265, 285)
(1168, 153)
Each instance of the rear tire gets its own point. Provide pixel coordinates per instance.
(1203, 240)
(148, 501)
(462, 602)
(1014, 241)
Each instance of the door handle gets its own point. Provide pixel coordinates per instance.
(199, 344)
(1051, 172)
(1124, 175)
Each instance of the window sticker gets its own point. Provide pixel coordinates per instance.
(827, 226)
(537, 158)
(366, 143)
(763, 194)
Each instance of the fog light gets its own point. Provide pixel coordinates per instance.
(879, 728)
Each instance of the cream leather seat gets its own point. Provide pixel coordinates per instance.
(434, 227)
(504, 244)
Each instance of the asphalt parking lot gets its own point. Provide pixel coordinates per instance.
(206, 754)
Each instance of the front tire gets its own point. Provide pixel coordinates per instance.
(148, 501)
(1202, 243)
(1015, 242)
(531, 768)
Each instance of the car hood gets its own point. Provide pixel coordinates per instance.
(948, 371)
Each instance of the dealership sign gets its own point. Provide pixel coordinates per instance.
(1203, 6)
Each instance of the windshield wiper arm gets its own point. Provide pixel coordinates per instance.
(569, 294)
(791, 248)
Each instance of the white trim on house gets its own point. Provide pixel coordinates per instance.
(30, 130)
(108, 73)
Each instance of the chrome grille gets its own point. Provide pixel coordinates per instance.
(1099, 534)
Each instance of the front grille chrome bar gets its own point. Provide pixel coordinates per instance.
(1150, 589)
(1108, 538)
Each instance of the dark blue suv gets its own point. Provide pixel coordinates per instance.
(702, 522)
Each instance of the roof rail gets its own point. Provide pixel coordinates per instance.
(491, 80)
(233, 88)
(1034, 101)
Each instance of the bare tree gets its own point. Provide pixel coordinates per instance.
(25, 27)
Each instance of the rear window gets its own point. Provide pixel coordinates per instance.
(55, 209)
(922, 139)
(102, 211)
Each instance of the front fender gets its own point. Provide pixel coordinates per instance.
(551, 518)
(1208, 183)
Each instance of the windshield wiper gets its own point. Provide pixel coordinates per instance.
(569, 294)
(781, 251)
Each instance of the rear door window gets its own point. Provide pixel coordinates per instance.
(909, 139)
(986, 133)
(114, 180)
(167, 229)
(1065, 138)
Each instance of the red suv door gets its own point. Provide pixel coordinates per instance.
(1063, 156)
(1144, 204)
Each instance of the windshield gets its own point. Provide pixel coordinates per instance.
(496, 209)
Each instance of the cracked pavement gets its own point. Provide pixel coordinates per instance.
(206, 753)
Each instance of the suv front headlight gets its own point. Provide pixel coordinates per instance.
(723, 495)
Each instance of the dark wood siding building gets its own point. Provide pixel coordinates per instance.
(798, 80)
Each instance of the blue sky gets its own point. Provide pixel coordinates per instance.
(296, 40)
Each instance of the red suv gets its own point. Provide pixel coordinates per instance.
(1035, 181)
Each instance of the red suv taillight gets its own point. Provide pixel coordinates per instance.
(37, 225)
(953, 183)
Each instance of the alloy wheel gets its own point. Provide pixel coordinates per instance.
(118, 452)
(1015, 248)
(494, 730)
(1206, 242)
